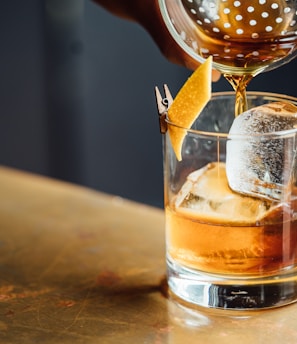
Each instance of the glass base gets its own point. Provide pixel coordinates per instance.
(214, 291)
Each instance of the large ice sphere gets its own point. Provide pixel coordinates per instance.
(263, 164)
(206, 194)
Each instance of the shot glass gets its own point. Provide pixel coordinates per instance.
(226, 248)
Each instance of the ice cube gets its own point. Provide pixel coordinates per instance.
(207, 195)
(262, 165)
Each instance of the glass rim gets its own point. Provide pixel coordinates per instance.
(250, 94)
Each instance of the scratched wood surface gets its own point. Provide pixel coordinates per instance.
(78, 266)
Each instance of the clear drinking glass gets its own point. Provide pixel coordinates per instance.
(229, 249)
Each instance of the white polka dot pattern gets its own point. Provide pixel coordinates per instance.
(259, 18)
(240, 33)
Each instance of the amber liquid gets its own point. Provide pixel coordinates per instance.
(246, 250)
(244, 38)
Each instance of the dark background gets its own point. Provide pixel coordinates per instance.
(77, 96)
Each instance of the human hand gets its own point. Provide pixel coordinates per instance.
(147, 14)
(153, 22)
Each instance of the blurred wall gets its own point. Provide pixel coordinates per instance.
(77, 96)
(22, 98)
(123, 152)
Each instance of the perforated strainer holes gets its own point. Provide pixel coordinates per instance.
(239, 30)
(234, 18)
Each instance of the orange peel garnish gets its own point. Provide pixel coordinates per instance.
(188, 104)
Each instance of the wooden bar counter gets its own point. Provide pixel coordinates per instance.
(79, 266)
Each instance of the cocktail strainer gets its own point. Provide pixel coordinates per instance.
(242, 36)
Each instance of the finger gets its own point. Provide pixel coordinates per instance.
(193, 64)
(215, 75)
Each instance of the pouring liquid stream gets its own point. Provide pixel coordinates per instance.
(239, 84)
